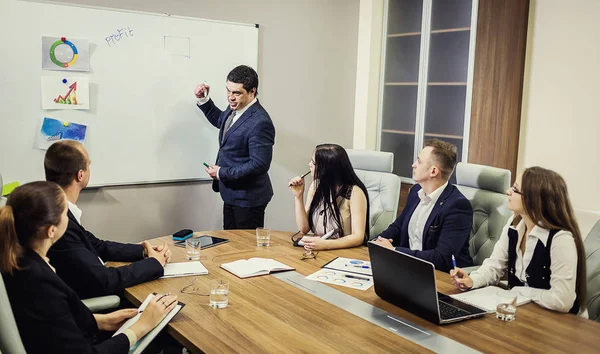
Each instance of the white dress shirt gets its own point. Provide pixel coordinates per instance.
(563, 254)
(238, 114)
(74, 209)
(419, 217)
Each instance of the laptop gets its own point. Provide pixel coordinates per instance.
(409, 283)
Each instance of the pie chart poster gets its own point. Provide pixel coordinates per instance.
(65, 54)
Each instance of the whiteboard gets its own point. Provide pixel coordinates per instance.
(142, 124)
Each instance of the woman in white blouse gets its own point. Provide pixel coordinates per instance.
(543, 253)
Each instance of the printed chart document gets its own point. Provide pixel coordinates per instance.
(245, 268)
(347, 279)
(350, 265)
(184, 269)
(143, 342)
(485, 298)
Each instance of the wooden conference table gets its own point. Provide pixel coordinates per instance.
(266, 314)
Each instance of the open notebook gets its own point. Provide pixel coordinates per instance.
(143, 342)
(486, 298)
(245, 268)
(184, 269)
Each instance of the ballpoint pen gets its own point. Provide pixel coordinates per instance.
(358, 266)
(453, 262)
(355, 277)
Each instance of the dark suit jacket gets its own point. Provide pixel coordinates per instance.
(244, 155)
(446, 231)
(75, 257)
(50, 316)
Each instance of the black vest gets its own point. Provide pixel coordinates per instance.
(538, 272)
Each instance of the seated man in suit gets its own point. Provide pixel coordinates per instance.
(79, 256)
(437, 219)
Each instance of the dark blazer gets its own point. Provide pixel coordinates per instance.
(244, 156)
(75, 257)
(50, 316)
(446, 231)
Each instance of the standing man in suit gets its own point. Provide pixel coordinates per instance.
(437, 219)
(246, 139)
(79, 256)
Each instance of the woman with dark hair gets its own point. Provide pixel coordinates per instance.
(49, 315)
(543, 253)
(336, 200)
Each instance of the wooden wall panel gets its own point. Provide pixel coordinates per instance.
(498, 82)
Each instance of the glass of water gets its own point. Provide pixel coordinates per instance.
(263, 237)
(192, 247)
(219, 294)
(506, 306)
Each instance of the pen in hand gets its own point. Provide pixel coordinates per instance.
(454, 267)
(304, 175)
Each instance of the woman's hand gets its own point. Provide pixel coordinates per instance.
(314, 243)
(297, 186)
(158, 307)
(461, 279)
(110, 322)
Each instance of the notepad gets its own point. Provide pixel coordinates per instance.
(245, 268)
(143, 342)
(184, 269)
(485, 298)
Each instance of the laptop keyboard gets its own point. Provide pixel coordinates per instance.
(448, 311)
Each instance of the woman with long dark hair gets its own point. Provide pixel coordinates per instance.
(336, 200)
(49, 315)
(543, 252)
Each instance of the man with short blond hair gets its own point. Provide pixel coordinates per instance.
(437, 219)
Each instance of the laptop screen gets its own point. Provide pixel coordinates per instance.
(405, 281)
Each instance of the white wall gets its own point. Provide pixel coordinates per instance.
(560, 124)
(368, 70)
(307, 70)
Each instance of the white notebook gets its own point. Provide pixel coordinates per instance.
(143, 342)
(245, 268)
(485, 298)
(184, 269)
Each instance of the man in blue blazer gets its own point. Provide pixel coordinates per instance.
(246, 139)
(79, 256)
(437, 219)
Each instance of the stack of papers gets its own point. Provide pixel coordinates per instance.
(184, 269)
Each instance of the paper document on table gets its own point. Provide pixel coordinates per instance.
(486, 298)
(347, 279)
(350, 265)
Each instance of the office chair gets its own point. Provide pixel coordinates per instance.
(485, 187)
(592, 255)
(10, 340)
(102, 303)
(374, 169)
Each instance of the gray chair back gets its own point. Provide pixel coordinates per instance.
(592, 256)
(374, 168)
(10, 341)
(2, 199)
(485, 188)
